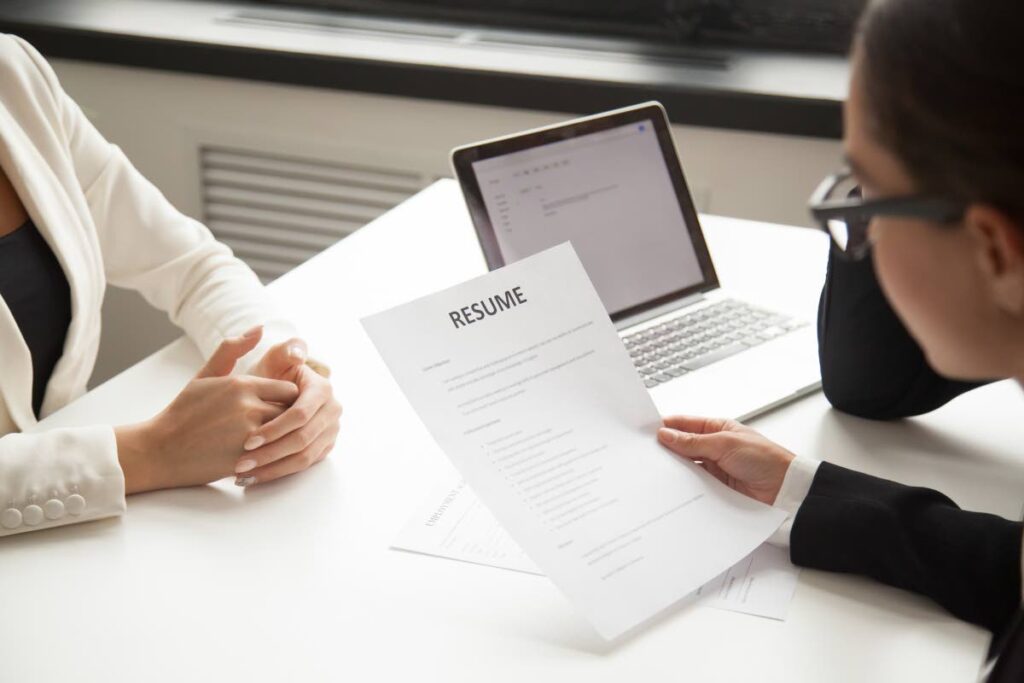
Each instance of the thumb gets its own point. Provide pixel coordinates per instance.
(282, 359)
(691, 446)
(223, 360)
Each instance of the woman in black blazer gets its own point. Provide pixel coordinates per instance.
(924, 300)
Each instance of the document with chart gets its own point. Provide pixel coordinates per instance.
(521, 379)
(452, 523)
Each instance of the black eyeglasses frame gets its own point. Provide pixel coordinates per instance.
(857, 212)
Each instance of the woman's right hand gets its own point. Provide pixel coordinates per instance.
(198, 437)
(735, 454)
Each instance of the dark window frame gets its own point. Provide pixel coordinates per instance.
(792, 25)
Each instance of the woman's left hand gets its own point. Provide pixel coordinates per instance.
(302, 435)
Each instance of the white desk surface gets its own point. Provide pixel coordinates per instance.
(294, 580)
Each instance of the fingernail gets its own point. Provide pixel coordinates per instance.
(249, 334)
(245, 466)
(297, 352)
(245, 481)
(666, 435)
(253, 443)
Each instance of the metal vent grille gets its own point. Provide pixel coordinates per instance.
(276, 212)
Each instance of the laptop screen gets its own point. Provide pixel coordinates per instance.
(611, 194)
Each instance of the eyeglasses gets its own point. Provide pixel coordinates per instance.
(842, 212)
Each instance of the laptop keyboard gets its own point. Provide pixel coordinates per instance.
(691, 341)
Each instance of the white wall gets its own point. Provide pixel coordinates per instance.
(159, 119)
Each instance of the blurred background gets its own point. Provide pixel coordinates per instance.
(286, 125)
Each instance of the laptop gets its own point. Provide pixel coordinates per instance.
(612, 185)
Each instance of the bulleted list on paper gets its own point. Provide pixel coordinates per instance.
(522, 380)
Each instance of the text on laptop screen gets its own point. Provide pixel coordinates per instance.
(610, 194)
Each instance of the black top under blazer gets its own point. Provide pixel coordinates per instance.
(35, 290)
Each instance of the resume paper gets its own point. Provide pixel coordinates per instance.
(452, 523)
(521, 378)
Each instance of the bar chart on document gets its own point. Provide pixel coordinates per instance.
(452, 523)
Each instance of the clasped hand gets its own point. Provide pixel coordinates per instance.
(280, 419)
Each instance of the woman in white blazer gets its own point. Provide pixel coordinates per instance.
(71, 199)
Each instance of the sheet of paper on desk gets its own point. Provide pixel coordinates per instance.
(453, 523)
(522, 380)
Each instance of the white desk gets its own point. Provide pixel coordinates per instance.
(294, 580)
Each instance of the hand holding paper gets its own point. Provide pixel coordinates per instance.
(733, 453)
(538, 405)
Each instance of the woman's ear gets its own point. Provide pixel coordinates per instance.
(999, 250)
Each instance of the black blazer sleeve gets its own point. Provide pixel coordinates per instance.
(911, 538)
(1008, 652)
(870, 365)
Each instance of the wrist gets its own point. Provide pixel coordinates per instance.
(135, 451)
(796, 484)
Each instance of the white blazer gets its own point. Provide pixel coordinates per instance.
(105, 223)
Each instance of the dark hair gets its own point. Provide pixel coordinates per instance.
(944, 88)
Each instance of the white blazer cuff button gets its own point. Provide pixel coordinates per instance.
(10, 518)
(53, 508)
(75, 504)
(32, 514)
